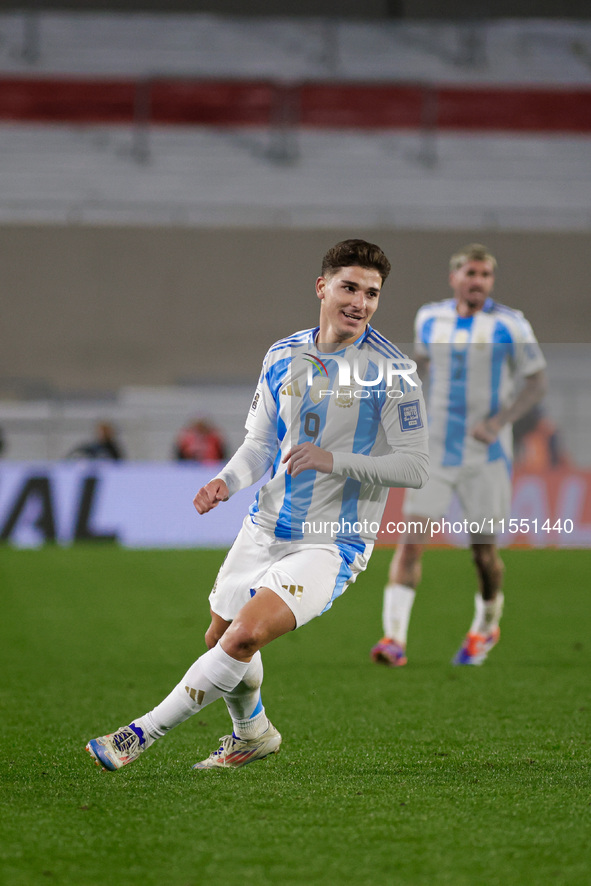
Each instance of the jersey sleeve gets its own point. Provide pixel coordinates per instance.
(248, 464)
(407, 464)
(420, 340)
(528, 356)
(262, 415)
(255, 456)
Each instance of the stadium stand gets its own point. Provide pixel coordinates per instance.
(203, 121)
(292, 107)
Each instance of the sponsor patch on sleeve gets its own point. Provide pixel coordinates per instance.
(255, 402)
(410, 416)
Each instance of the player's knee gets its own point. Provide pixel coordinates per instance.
(242, 641)
(405, 568)
(486, 558)
(408, 555)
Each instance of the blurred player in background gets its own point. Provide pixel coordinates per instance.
(334, 445)
(472, 351)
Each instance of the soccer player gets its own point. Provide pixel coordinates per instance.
(338, 416)
(475, 354)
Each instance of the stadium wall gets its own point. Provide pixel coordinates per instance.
(94, 308)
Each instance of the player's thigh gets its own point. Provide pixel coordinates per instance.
(485, 496)
(241, 572)
(310, 577)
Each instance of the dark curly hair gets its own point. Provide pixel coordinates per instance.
(348, 253)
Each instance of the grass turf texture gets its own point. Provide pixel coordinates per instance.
(429, 774)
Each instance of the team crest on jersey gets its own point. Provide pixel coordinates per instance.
(344, 395)
(410, 416)
(461, 338)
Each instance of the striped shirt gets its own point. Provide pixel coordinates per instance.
(338, 401)
(475, 366)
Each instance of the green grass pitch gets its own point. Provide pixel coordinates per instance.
(425, 775)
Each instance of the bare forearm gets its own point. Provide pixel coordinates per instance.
(248, 464)
(532, 392)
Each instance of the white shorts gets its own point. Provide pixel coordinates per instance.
(484, 493)
(307, 577)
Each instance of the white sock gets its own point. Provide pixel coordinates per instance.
(398, 600)
(244, 702)
(213, 674)
(487, 614)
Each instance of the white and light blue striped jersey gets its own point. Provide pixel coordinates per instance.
(474, 366)
(304, 394)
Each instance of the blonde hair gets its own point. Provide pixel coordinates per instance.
(471, 252)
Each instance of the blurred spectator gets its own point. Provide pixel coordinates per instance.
(104, 446)
(2, 441)
(538, 447)
(200, 441)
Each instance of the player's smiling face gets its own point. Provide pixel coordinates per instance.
(349, 300)
(472, 284)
